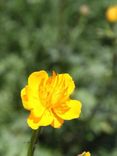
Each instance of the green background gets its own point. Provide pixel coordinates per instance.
(70, 36)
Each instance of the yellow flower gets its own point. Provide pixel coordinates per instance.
(111, 14)
(85, 154)
(48, 99)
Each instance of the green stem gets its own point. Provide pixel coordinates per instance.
(33, 142)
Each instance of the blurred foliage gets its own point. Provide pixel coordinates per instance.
(66, 36)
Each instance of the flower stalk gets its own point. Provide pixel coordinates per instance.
(33, 142)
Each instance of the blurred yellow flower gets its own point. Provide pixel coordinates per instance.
(47, 99)
(85, 154)
(111, 14)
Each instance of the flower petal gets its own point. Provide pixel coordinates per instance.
(45, 120)
(85, 154)
(65, 83)
(61, 86)
(71, 113)
(57, 121)
(69, 83)
(30, 94)
(25, 98)
(31, 102)
(32, 124)
(36, 78)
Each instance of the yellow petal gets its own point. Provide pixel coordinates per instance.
(37, 90)
(30, 94)
(57, 121)
(65, 83)
(32, 102)
(85, 154)
(35, 78)
(71, 113)
(38, 109)
(25, 100)
(45, 120)
(69, 83)
(61, 86)
(32, 124)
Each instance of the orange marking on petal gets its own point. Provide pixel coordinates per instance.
(54, 73)
(32, 117)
